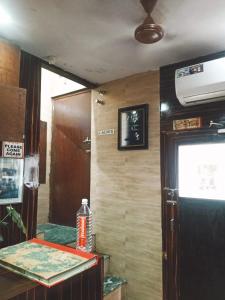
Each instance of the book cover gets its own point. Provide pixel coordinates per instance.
(45, 262)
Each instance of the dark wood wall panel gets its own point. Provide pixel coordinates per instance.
(43, 152)
(30, 79)
(211, 111)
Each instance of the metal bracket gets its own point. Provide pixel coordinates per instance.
(172, 202)
(212, 123)
(87, 140)
(171, 192)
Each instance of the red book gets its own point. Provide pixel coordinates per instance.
(44, 262)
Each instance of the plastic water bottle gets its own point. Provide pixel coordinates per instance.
(84, 227)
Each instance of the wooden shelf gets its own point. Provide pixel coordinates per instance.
(12, 284)
(82, 286)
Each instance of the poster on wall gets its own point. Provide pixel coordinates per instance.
(31, 171)
(11, 180)
(133, 127)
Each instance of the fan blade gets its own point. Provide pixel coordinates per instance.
(148, 5)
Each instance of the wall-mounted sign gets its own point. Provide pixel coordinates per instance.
(12, 149)
(106, 132)
(187, 123)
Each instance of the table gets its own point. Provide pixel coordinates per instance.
(85, 286)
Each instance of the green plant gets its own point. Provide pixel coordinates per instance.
(16, 218)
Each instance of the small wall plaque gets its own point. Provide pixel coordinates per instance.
(190, 123)
(106, 132)
(12, 149)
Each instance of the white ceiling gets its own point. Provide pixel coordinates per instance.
(94, 39)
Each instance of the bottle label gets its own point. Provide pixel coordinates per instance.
(83, 232)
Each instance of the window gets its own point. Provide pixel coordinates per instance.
(201, 171)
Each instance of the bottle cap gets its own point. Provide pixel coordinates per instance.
(85, 201)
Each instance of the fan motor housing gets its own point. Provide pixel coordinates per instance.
(149, 33)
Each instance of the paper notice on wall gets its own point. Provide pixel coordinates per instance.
(12, 149)
(31, 171)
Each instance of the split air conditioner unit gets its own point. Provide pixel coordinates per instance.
(201, 83)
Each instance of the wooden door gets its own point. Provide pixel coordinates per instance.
(193, 224)
(70, 156)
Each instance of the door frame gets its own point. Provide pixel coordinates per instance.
(170, 230)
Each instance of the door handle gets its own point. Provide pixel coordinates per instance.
(171, 192)
(171, 202)
(86, 145)
(87, 140)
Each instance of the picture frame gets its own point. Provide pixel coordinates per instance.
(11, 180)
(133, 127)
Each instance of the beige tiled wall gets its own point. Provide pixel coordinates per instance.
(125, 188)
(43, 203)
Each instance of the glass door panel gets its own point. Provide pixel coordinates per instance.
(201, 171)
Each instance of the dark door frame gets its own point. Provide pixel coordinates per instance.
(170, 229)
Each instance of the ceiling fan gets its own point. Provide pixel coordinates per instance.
(149, 32)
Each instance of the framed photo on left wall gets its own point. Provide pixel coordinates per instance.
(11, 180)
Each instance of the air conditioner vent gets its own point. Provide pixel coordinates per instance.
(205, 85)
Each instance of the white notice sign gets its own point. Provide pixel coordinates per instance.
(106, 132)
(12, 149)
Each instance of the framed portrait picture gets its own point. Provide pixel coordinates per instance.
(11, 180)
(133, 127)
